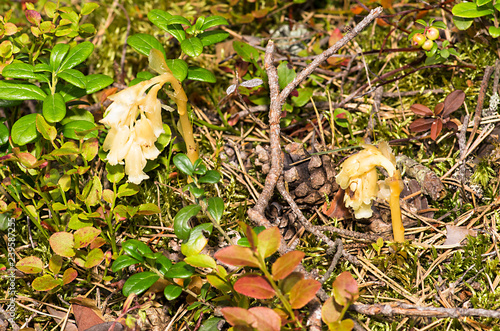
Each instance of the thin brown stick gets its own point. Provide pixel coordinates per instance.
(412, 310)
(256, 214)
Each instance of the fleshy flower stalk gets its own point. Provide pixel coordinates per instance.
(359, 179)
(131, 140)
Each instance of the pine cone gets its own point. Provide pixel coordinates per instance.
(308, 181)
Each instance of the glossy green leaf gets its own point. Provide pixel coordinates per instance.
(172, 292)
(24, 130)
(178, 67)
(192, 46)
(439, 25)
(4, 134)
(462, 23)
(201, 261)
(304, 97)
(211, 177)
(286, 74)
(19, 70)
(97, 82)
(197, 240)
(73, 129)
(181, 221)
(494, 32)
(177, 19)
(212, 37)
(482, 2)
(163, 264)
(127, 189)
(123, 261)
(115, 173)
(45, 283)
(470, 10)
(57, 55)
(143, 43)
(148, 209)
(180, 270)
(212, 21)
(88, 8)
(201, 74)
(215, 208)
(54, 108)
(74, 77)
(11, 90)
(47, 130)
(136, 245)
(139, 283)
(182, 162)
(248, 53)
(210, 324)
(160, 19)
(77, 55)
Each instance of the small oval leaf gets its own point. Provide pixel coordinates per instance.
(30, 265)
(237, 256)
(139, 283)
(303, 292)
(254, 286)
(286, 264)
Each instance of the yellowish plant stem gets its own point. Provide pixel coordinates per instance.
(157, 63)
(397, 224)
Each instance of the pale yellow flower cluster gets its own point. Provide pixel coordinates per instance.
(131, 140)
(359, 177)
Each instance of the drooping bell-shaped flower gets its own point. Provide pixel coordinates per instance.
(135, 163)
(117, 142)
(359, 178)
(131, 140)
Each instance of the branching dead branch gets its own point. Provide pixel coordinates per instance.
(413, 310)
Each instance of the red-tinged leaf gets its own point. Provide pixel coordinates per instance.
(421, 124)
(289, 282)
(98, 242)
(62, 244)
(250, 233)
(94, 257)
(287, 263)
(421, 110)
(453, 101)
(237, 256)
(268, 242)
(335, 36)
(30, 265)
(345, 288)
(439, 108)
(337, 208)
(239, 316)
(254, 286)
(436, 128)
(69, 275)
(330, 312)
(85, 236)
(267, 319)
(303, 292)
(33, 17)
(45, 283)
(86, 313)
(452, 124)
